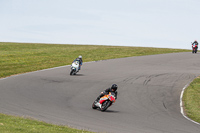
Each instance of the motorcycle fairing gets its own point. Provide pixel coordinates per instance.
(102, 99)
(75, 65)
(109, 96)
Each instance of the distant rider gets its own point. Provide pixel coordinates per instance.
(195, 43)
(113, 88)
(80, 60)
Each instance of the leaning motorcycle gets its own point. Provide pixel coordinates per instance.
(74, 68)
(104, 102)
(194, 48)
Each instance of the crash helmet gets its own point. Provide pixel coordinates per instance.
(80, 57)
(114, 87)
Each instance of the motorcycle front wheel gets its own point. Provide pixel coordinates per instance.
(105, 105)
(193, 50)
(72, 72)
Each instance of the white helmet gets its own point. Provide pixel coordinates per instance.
(80, 57)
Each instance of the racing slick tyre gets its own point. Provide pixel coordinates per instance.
(72, 72)
(105, 105)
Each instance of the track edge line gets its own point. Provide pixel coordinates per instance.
(181, 105)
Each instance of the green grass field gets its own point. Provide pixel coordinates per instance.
(16, 58)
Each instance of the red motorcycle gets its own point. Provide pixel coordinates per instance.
(194, 48)
(104, 102)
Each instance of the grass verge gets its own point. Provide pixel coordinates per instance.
(191, 100)
(13, 124)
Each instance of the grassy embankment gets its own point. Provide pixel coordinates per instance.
(19, 58)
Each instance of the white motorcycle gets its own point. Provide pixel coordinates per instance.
(74, 68)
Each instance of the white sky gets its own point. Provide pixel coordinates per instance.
(149, 23)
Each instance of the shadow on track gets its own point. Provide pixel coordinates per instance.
(109, 111)
(78, 75)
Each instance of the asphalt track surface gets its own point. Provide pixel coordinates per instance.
(148, 95)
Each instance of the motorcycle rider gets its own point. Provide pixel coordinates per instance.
(80, 60)
(195, 43)
(113, 88)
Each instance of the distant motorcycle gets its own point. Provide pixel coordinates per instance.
(74, 68)
(194, 48)
(104, 102)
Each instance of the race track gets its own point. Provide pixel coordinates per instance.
(148, 95)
